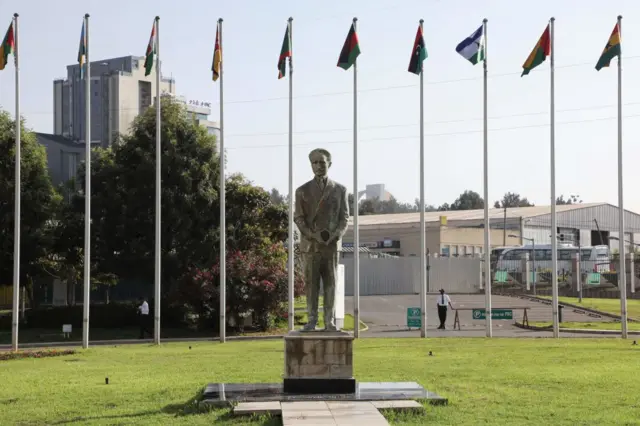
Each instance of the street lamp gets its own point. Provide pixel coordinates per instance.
(533, 257)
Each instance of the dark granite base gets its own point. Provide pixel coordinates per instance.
(225, 394)
(315, 386)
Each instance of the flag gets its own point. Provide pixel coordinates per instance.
(539, 53)
(472, 48)
(350, 50)
(285, 53)
(8, 46)
(217, 58)
(82, 50)
(418, 54)
(151, 51)
(611, 50)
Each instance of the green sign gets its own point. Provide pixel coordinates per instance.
(414, 317)
(593, 278)
(501, 276)
(496, 314)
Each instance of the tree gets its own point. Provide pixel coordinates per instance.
(468, 200)
(278, 198)
(511, 200)
(571, 199)
(390, 206)
(39, 202)
(123, 200)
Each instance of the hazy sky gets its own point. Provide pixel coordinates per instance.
(256, 107)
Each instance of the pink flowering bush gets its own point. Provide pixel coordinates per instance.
(256, 285)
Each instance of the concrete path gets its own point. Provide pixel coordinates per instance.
(331, 413)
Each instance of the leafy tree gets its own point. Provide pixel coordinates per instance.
(377, 206)
(278, 198)
(510, 200)
(468, 200)
(39, 202)
(571, 199)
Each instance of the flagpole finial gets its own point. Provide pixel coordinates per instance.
(157, 18)
(421, 21)
(15, 15)
(552, 19)
(220, 20)
(355, 19)
(619, 17)
(290, 18)
(86, 15)
(485, 20)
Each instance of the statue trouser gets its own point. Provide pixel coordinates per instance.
(321, 266)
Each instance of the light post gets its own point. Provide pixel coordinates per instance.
(533, 257)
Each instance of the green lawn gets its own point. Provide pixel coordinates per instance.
(589, 325)
(300, 303)
(492, 382)
(605, 305)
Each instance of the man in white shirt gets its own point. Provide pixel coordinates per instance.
(443, 301)
(143, 313)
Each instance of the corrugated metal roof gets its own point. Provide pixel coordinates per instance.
(464, 215)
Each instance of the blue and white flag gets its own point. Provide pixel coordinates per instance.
(472, 48)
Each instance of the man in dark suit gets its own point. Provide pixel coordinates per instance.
(321, 213)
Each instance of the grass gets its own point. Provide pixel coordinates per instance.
(300, 303)
(611, 306)
(596, 325)
(497, 381)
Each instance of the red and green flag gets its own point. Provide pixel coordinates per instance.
(82, 51)
(151, 51)
(217, 58)
(285, 53)
(611, 50)
(350, 50)
(8, 47)
(539, 53)
(418, 54)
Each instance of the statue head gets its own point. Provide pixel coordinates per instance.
(320, 161)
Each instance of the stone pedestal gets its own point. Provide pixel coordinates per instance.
(318, 362)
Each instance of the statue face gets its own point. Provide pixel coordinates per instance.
(320, 165)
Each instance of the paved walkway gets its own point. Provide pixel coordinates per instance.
(331, 413)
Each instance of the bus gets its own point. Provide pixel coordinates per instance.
(592, 258)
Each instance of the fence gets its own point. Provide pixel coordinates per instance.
(402, 275)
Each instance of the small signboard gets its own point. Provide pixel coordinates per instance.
(414, 317)
(496, 314)
(66, 330)
(593, 278)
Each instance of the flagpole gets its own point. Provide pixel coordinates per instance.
(158, 259)
(87, 189)
(223, 226)
(356, 232)
(554, 229)
(16, 221)
(623, 267)
(423, 243)
(487, 229)
(291, 196)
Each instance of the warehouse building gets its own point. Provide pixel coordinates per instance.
(461, 233)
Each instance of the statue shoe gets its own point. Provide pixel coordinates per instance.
(330, 327)
(309, 327)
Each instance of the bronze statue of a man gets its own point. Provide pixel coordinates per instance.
(321, 214)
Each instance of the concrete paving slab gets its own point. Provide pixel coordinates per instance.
(407, 405)
(261, 407)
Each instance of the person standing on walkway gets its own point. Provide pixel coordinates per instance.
(143, 315)
(443, 301)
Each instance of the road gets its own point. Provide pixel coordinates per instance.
(389, 313)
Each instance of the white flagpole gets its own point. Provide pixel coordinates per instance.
(87, 189)
(158, 268)
(223, 226)
(423, 243)
(623, 267)
(291, 195)
(356, 231)
(487, 229)
(16, 228)
(554, 229)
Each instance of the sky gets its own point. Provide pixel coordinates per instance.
(256, 102)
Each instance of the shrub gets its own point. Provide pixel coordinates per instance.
(257, 284)
(6, 356)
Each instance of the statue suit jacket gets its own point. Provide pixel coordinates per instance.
(318, 209)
